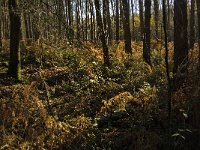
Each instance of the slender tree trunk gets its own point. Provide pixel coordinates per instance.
(109, 21)
(70, 22)
(0, 26)
(117, 20)
(102, 34)
(14, 69)
(86, 20)
(121, 36)
(126, 25)
(180, 43)
(60, 10)
(77, 20)
(141, 11)
(156, 16)
(192, 30)
(167, 66)
(133, 20)
(23, 27)
(92, 22)
(168, 21)
(82, 20)
(146, 41)
(198, 14)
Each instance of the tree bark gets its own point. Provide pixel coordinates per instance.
(126, 25)
(141, 11)
(198, 14)
(70, 21)
(117, 20)
(0, 27)
(146, 41)
(156, 17)
(180, 43)
(192, 30)
(169, 87)
(133, 20)
(14, 69)
(101, 33)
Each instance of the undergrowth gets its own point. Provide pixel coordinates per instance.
(69, 100)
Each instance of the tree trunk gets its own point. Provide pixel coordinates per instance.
(86, 20)
(108, 21)
(14, 69)
(117, 20)
(133, 20)
(101, 33)
(192, 30)
(77, 20)
(141, 11)
(169, 21)
(146, 41)
(70, 21)
(91, 21)
(180, 43)
(169, 87)
(23, 27)
(126, 25)
(198, 14)
(156, 17)
(0, 27)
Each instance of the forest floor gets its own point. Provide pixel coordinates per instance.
(69, 100)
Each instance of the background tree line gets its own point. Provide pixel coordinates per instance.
(101, 21)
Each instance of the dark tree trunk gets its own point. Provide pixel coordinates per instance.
(192, 30)
(146, 41)
(108, 19)
(86, 20)
(117, 20)
(198, 14)
(77, 20)
(141, 10)
(0, 27)
(156, 16)
(101, 33)
(180, 42)
(70, 21)
(133, 20)
(14, 69)
(169, 87)
(126, 24)
(92, 21)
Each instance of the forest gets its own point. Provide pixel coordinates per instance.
(100, 74)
